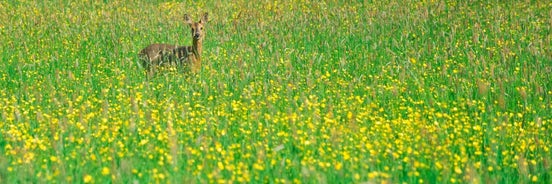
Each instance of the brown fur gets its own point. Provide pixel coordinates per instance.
(156, 55)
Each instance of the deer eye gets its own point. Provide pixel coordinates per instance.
(201, 28)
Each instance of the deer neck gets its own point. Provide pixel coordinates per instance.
(197, 48)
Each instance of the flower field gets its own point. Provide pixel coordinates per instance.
(289, 92)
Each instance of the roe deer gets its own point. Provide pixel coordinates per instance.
(156, 55)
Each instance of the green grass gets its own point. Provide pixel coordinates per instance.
(289, 92)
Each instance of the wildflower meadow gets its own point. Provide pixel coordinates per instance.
(300, 91)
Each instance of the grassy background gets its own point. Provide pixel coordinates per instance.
(298, 91)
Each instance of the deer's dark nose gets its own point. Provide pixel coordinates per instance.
(197, 35)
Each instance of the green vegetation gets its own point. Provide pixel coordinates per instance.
(289, 92)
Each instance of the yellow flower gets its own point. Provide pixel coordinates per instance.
(413, 61)
(457, 170)
(534, 178)
(372, 175)
(87, 178)
(105, 171)
(258, 166)
(338, 166)
(53, 158)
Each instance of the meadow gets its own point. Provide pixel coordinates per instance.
(301, 91)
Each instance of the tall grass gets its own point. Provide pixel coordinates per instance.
(289, 92)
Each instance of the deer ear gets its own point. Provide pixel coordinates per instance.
(187, 19)
(204, 18)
